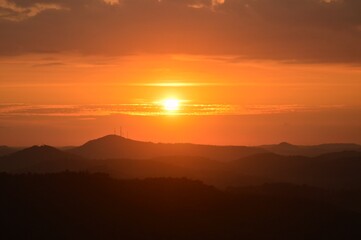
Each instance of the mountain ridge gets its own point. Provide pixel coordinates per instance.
(339, 169)
(288, 149)
(42, 158)
(113, 146)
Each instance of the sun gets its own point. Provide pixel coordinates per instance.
(171, 104)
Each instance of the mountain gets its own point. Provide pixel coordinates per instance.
(5, 150)
(40, 159)
(124, 158)
(288, 149)
(142, 168)
(132, 159)
(113, 146)
(45, 159)
(340, 169)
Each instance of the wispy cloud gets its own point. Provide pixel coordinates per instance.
(11, 11)
(305, 31)
(153, 109)
(178, 84)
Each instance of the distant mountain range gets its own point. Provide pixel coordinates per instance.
(5, 150)
(114, 146)
(310, 151)
(41, 159)
(124, 158)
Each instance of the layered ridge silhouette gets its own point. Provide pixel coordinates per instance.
(124, 158)
(116, 188)
(288, 149)
(113, 146)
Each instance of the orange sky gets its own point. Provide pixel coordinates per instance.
(245, 72)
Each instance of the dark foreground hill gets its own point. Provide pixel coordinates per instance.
(83, 206)
(114, 146)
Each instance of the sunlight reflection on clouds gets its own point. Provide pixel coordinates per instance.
(153, 109)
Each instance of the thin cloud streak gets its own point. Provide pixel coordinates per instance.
(155, 109)
(179, 84)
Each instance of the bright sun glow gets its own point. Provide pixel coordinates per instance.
(171, 104)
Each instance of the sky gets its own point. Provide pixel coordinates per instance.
(243, 72)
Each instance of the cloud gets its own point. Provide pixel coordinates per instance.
(112, 2)
(155, 109)
(49, 64)
(11, 11)
(283, 30)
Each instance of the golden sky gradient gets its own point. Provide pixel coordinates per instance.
(242, 71)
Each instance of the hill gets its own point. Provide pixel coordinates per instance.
(40, 159)
(310, 151)
(332, 170)
(113, 146)
(94, 206)
(5, 150)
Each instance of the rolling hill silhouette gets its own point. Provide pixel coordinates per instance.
(216, 165)
(40, 159)
(45, 159)
(288, 149)
(113, 146)
(340, 169)
(5, 150)
(332, 170)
